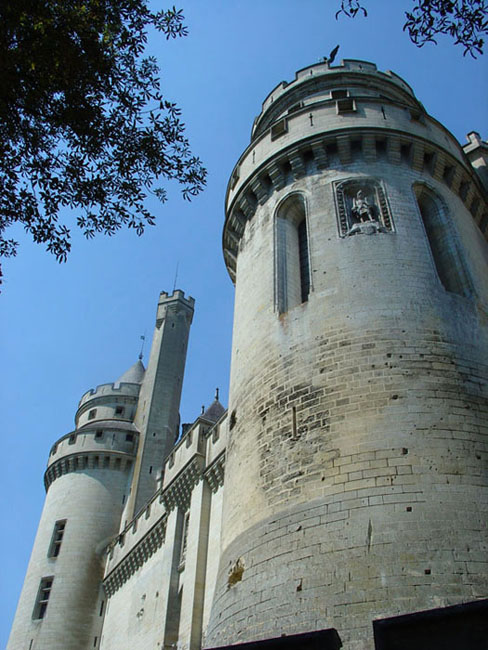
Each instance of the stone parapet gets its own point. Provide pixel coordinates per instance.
(139, 554)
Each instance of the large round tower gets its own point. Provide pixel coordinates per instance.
(358, 399)
(87, 482)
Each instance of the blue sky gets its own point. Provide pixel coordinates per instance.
(66, 328)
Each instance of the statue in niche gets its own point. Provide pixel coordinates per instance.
(362, 207)
(362, 217)
(361, 211)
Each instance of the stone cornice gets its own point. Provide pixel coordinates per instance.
(104, 459)
(136, 557)
(310, 156)
(214, 474)
(178, 492)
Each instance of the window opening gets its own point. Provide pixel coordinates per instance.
(303, 259)
(92, 413)
(292, 263)
(43, 597)
(184, 538)
(279, 128)
(57, 538)
(445, 254)
(119, 410)
(345, 106)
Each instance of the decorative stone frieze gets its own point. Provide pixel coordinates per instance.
(214, 474)
(178, 492)
(88, 460)
(136, 557)
(407, 149)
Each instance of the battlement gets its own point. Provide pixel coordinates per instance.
(97, 448)
(177, 294)
(108, 390)
(321, 75)
(334, 118)
(103, 437)
(199, 453)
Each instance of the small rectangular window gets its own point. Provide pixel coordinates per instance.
(346, 105)
(339, 94)
(72, 439)
(279, 129)
(295, 107)
(234, 178)
(119, 410)
(416, 115)
(92, 413)
(99, 434)
(129, 437)
(57, 538)
(43, 597)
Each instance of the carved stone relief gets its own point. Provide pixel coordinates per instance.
(362, 207)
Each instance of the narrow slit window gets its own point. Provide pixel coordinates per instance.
(303, 260)
(43, 597)
(184, 538)
(57, 538)
(292, 257)
(445, 254)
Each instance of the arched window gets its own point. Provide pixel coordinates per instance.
(442, 240)
(292, 264)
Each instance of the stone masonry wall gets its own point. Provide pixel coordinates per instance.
(356, 465)
(91, 502)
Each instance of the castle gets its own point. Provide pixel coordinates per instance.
(341, 499)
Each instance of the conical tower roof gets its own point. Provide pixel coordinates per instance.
(134, 375)
(215, 410)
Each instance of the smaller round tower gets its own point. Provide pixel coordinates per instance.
(87, 483)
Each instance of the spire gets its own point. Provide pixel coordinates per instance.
(215, 410)
(134, 375)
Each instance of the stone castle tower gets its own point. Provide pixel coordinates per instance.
(346, 485)
(358, 392)
(96, 476)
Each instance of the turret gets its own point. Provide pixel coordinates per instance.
(355, 235)
(157, 416)
(87, 483)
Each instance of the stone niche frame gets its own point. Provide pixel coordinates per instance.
(376, 216)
